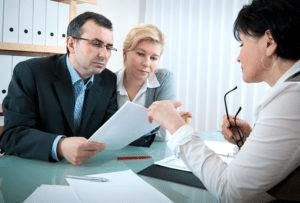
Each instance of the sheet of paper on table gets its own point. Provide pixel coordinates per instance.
(225, 150)
(122, 186)
(128, 124)
(53, 194)
(173, 162)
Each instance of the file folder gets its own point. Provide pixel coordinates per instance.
(173, 175)
(51, 23)
(11, 21)
(25, 22)
(5, 76)
(39, 22)
(1, 19)
(63, 21)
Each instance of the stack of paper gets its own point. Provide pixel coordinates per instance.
(122, 186)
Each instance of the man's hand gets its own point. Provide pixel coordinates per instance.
(77, 150)
(165, 113)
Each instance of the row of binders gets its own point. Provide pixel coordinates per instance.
(7, 66)
(38, 22)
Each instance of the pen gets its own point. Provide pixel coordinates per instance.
(133, 157)
(95, 179)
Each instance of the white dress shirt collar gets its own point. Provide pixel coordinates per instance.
(75, 76)
(151, 82)
(140, 98)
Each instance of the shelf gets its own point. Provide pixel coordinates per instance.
(78, 1)
(40, 50)
(73, 6)
(30, 50)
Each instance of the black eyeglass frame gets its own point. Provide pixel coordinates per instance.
(97, 43)
(239, 139)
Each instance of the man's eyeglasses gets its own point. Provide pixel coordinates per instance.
(238, 135)
(98, 44)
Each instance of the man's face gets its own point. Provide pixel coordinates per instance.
(87, 57)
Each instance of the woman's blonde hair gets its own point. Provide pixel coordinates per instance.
(142, 32)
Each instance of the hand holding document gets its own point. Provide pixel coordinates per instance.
(128, 124)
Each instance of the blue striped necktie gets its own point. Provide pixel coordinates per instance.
(79, 89)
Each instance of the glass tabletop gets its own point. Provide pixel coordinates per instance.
(20, 177)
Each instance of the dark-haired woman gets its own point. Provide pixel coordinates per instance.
(267, 165)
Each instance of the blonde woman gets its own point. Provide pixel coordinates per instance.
(140, 81)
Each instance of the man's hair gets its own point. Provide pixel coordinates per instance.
(280, 17)
(75, 26)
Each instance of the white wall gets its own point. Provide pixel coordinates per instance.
(201, 52)
(124, 15)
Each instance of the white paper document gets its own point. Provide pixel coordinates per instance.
(122, 186)
(225, 150)
(53, 194)
(128, 124)
(173, 162)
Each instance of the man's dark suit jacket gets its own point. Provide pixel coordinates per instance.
(40, 103)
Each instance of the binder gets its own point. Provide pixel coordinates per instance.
(25, 23)
(39, 22)
(5, 76)
(51, 23)
(63, 21)
(1, 19)
(11, 21)
(173, 175)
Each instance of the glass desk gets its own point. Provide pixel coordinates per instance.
(20, 177)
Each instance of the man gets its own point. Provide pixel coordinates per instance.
(54, 104)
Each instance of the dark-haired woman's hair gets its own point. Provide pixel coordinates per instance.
(280, 17)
